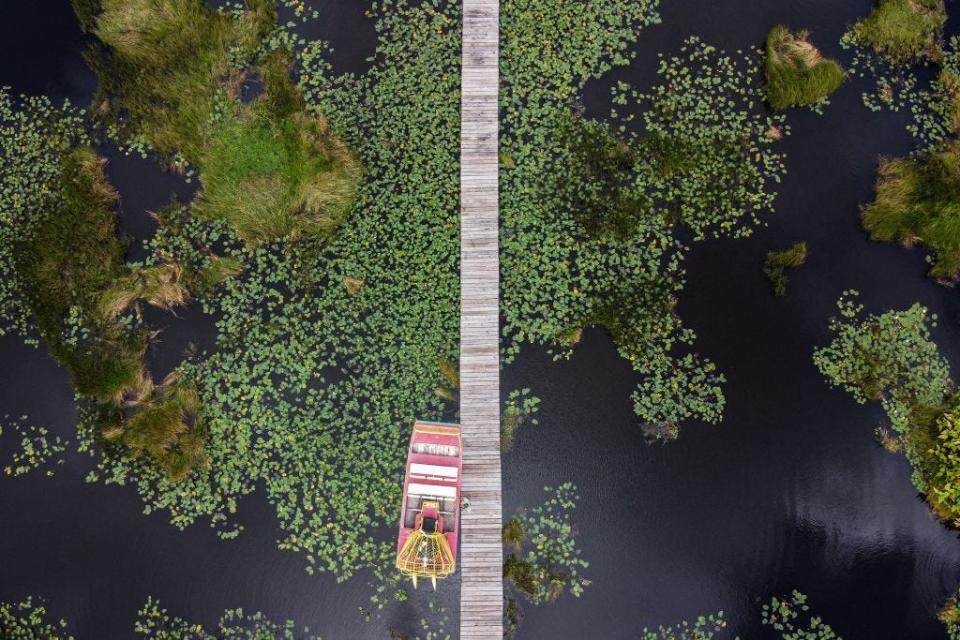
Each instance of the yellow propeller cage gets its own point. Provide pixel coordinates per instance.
(426, 555)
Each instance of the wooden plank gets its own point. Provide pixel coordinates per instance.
(481, 551)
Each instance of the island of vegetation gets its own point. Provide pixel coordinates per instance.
(891, 358)
(903, 31)
(795, 72)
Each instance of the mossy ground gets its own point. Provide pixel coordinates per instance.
(795, 72)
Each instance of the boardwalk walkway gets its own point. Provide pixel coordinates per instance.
(481, 552)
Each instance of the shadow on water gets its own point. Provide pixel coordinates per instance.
(791, 490)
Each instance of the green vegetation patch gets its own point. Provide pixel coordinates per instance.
(315, 385)
(891, 358)
(520, 409)
(916, 196)
(37, 449)
(777, 262)
(592, 211)
(544, 560)
(65, 278)
(26, 620)
(71, 255)
(903, 31)
(795, 72)
(156, 623)
(917, 201)
(170, 73)
(788, 618)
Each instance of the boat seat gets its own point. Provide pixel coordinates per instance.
(434, 449)
(434, 490)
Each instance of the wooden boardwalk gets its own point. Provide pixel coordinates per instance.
(481, 551)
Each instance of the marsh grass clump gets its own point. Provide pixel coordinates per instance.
(917, 201)
(159, 285)
(68, 257)
(60, 250)
(167, 427)
(903, 31)
(169, 73)
(949, 615)
(777, 262)
(796, 74)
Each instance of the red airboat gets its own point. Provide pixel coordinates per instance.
(430, 516)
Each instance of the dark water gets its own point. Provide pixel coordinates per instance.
(791, 491)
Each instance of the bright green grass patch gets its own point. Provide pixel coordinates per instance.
(273, 170)
(64, 263)
(170, 72)
(903, 31)
(796, 74)
(778, 262)
(918, 201)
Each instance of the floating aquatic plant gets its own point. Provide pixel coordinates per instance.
(37, 447)
(156, 623)
(892, 358)
(26, 620)
(545, 560)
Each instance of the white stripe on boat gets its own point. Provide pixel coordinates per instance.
(434, 470)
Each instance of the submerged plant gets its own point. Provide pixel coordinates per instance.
(795, 72)
(777, 262)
